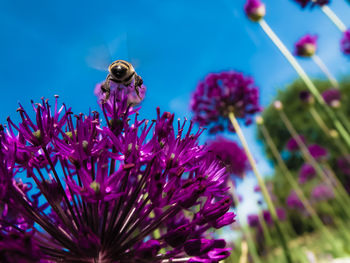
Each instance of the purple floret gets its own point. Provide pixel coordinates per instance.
(220, 93)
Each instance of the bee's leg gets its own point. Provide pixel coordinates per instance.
(105, 88)
(138, 84)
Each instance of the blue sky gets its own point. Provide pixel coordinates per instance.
(54, 47)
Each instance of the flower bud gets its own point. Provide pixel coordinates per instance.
(255, 10)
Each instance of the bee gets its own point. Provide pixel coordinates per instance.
(121, 72)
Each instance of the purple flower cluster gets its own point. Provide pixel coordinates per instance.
(230, 154)
(306, 97)
(317, 151)
(332, 97)
(292, 144)
(255, 10)
(221, 93)
(294, 202)
(254, 221)
(306, 46)
(306, 173)
(345, 43)
(322, 192)
(343, 164)
(304, 3)
(128, 191)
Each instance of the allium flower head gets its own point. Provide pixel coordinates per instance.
(294, 202)
(345, 43)
(306, 173)
(281, 215)
(343, 164)
(305, 3)
(128, 191)
(220, 93)
(231, 154)
(322, 192)
(292, 144)
(317, 151)
(306, 46)
(332, 97)
(306, 97)
(255, 10)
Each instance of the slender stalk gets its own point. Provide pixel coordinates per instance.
(308, 157)
(265, 229)
(263, 188)
(343, 118)
(291, 59)
(333, 17)
(317, 221)
(245, 229)
(244, 250)
(319, 62)
(330, 133)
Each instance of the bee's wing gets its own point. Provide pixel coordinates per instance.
(103, 52)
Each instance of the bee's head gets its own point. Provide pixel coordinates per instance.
(119, 70)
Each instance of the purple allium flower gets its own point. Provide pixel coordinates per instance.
(281, 215)
(317, 151)
(332, 97)
(343, 164)
(306, 97)
(294, 202)
(306, 46)
(255, 10)
(304, 3)
(128, 191)
(345, 43)
(292, 144)
(322, 192)
(306, 173)
(221, 93)
(253, 220)
(232, 155)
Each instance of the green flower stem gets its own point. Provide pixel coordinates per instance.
(318, 61)
(266, 231)
(343, 119)
(307, 156)
(317, 221)
(310, 85)
(332, 134)
(333, 17)
(262, 186)
(245, 228)
(319, 120)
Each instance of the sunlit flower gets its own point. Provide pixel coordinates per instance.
(345, 43)
(128, 191)
(232, 155)
(306, 46)
(255, 10)
(221, 93)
